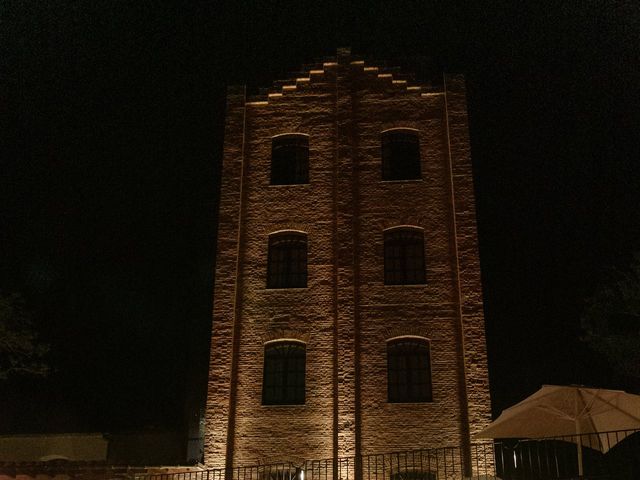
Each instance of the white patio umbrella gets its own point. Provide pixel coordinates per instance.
(569, 411)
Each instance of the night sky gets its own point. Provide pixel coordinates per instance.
(111, 138)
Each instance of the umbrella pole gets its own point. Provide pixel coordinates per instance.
(578, 432)
(579, 447)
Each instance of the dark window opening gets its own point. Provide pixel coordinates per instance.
(284, 368)
(290, 160)
(404, 257)
(408, 371)
(400, 155)
(287, 262)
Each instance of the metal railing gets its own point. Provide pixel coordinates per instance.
(427, 464)
(606, 456)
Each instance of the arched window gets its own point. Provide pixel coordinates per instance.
(400, 155)
(404, 256)
(289, 159)
(287, 262)
(283, 375)
(408, 370)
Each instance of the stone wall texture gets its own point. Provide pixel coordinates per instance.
(346, 314)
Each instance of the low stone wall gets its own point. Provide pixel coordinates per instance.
(71, 447)
(61, 470)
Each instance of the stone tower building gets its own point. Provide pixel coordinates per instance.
(348, 313)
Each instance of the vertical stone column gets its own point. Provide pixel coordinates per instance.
(220, 400)
(472, 343)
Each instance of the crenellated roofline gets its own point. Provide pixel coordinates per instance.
(322, 74)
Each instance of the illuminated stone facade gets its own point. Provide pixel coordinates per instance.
(346, 314)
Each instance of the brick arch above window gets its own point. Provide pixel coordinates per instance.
(278, 334)
(291, 133)
(408, 336)
(403, 221)
(406, 331)
(292, 230)
(295, 339)
(404, 262)
(404, 226)
(288, 226)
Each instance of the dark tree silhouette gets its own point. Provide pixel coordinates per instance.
(20, 351)
(611, 323)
